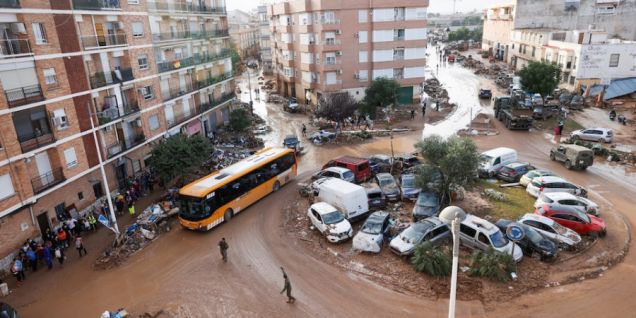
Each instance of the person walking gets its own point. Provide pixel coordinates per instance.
(223, 248)
(47, 256)
(17, 269)
(59, 254)
(131, 209)
(304, 130)
(92, 221)
(561, 125)
(79, 245)
(62, 238)
(33, 259)
(287, 288)
(412, 114)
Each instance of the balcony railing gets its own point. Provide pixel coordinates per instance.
(15, 47)
(101, 79)
(178, 92)
(162, 5)
(213, 80)
(96, 4)
(195, 59)
(47, 180)
(169, 36)
(216, 102)
(128, 143)
(113, 113)
(24, 95)
(331, 42)
(9, 4)
(93, 41)
(210, 33)
(33, 141)
(180, 118)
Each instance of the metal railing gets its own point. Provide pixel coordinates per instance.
(210, 33)
(47, 180)
(184, 6)
(96, 5)
(115, 112)
(15, 47)
(195, 59)
(24, 95)
(9, 4)
(100, 79)
(216, 102)
(331, 42)
(178, 92)
(180, 118)
(33, 141)
(128, 143)
(168, 36)
(94, 41)
(213, 80)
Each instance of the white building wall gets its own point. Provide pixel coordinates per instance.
(415, 34)
(382, 35)
(412, 72)
(414, 53)
(382, 55)
(594, 61)
(387, 72)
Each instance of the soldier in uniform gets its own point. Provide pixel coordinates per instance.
(223, 247)
(287, 287)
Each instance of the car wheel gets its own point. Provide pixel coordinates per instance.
(575, 137)
(568, 164)
(552, 157)
(276, 186)
(603, 233)
(594, 235)
(491, 174)
(227, 216)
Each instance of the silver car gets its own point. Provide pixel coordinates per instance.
(431, 229)
(593, 134)
(558, 199)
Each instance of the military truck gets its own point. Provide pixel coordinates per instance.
(573, 156)
(510, 111)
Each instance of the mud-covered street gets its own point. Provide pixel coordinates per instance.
(182, 271)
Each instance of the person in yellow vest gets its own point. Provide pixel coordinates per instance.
(131, 209)
(92, 221)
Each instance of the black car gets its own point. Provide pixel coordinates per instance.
(7, 311)
(513, 172)
(533, 242)
(291, 142)
(485, 93)
(375, 197)
(408, 160)
(426, 205)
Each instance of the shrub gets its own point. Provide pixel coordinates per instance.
(239, 120)
(493, 265)
(435, 261)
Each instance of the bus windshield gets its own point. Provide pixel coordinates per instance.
(192, 209)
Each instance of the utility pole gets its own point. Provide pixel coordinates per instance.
(249, 83)
(101, 168)
(453, 291)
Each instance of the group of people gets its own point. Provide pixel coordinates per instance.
(136, 187)
(223, 247)
(52, 247)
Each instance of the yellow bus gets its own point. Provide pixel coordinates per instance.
(217, 197)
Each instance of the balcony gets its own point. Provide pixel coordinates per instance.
(10, 4)
(15, 48)
(127, 144)
(175, 64)
(177, 92)
(110, 114)
(182, 117)
(101, 79)
(47, 180)
(96, 5)
(216, 102)
(170, 36)
(213, 80)
(94, 41)
(331, 42)
(210, 34)
(163, 5)
(24, 95)
(34, 141)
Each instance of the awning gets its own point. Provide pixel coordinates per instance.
(596, 89)
(620, 88)
(194, 127)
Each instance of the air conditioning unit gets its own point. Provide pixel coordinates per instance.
(338, 32)
(338, 53)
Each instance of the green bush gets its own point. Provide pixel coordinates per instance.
(239, 120)
(435, 261)
(493, 265)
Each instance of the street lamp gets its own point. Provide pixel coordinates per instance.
(101, 168)
(453, 216)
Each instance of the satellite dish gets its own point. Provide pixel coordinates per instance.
(450, 213)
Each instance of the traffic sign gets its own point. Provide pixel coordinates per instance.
(515, 232)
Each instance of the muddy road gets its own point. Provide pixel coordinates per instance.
(182, 272)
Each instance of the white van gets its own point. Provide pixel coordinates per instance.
(350, 199)
(491, 160)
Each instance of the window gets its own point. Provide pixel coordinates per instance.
(482, 238)
(363, 75)
(59, 119)
(49, 76)
(39, 33)
(138, 29)
(362, 37)
(363, 56)
(153, 121)
(398, 34)
(133, 1)
(80, 195)
(534, 49)
(614, 60)
(146, 92)
(467, 230)
(6, 186)
(98, 190)
(363, 16)
(71, 158)
(142, 59)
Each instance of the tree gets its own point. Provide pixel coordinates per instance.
(239, 120)
(452, 162)
(432, 260)
(337, 107)
(493, 265)
(461, 34)
(540, 78)
(381, 93)
(236, 58)
(477, 34)
(179, 156)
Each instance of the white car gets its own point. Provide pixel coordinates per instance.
(553, 184)
(556, 199)
(430, 229)
(330, 222)
(372, 233)
(477, 233)
(552, 230)
(335, 172)
(526, 178)
(593, 134)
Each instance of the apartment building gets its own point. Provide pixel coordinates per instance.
(141, 70)
(265, 53)
(330, 46)
(498, 25)
(245, 33)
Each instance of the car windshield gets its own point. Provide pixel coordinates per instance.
(191, 209)
(408, 181)
(372, 227)
(498, 239)
(332, 217)
(507, 169)
(484, 158)
(584, 217)
(560, 229)
(386, 182)
(416, 231)
(427, 199)
(532, 234)
(347, 175)
(533, 174)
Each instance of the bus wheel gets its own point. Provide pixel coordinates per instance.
(228, 215)
(276, 186)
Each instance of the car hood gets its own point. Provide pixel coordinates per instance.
(411, 191)
(367, 242)
(425, 211)
(547, 246)
(341, 227)
(400, 245)
(576, 132)
(572, 236)
(597, 221)
(390, 189)
(512, 249)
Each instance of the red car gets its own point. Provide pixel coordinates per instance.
(359, 166)
(579, 222)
